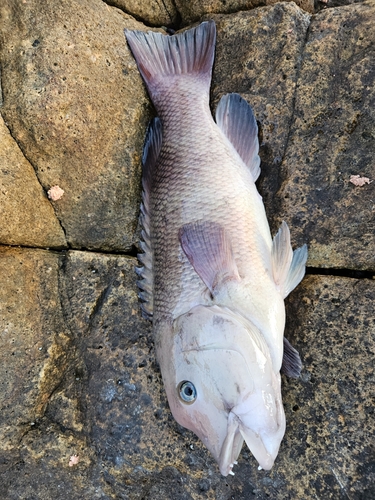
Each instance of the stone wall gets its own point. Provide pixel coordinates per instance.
(78, 372)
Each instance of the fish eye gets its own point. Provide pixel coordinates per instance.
(187, 392)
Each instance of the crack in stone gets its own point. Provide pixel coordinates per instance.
(345, 273)
(134, 16)
(99, 303)
(1, 89)
(62, 251)
(322, 271)
(170, 16)
(37, 178)
(294, 98)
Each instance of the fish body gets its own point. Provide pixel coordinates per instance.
(213, 279)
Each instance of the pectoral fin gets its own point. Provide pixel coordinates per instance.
(288, 266)
(292, 364)
(209, 250)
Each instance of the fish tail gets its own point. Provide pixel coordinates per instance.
(160, 58)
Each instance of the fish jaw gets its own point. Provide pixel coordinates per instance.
(260, 421)
(231, 447)
(264, 428)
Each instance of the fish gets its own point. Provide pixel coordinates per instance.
(211, 277)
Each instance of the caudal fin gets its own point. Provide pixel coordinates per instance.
(160, 56)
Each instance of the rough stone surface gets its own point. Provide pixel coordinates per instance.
(77, 365)
(34, 340)
(324, 4)
(27, 217)
(193, 10)
(332, 138)
(111, 409)
(150, 12)
(74, 101)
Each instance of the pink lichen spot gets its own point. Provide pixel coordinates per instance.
(55, 193)
(74, 459)
(357, 180)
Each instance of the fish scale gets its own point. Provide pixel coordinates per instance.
(184, 175)
(212, 279)
(173, 184)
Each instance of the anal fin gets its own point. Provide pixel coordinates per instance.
(288, 266)
(292, 364)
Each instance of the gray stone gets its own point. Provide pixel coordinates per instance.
(314, 100)
(324, 4)
(332, 137)
(258, 55)
(110, 409)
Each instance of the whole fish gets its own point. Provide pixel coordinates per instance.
(213, 279)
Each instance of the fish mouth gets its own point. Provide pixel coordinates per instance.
(264, 448)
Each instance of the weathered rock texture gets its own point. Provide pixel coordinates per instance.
(111, 410)
(259, 55)
(35, 341)
(311, 86)
(74, 102)
(193, 10)
(27, 217)
(78, 372)
(150, 12)
(332, 138)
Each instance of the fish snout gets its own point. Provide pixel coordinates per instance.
(262, 426)
(260, 422)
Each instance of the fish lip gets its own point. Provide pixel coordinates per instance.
(260, 452)
(237, 432)
(231, 446)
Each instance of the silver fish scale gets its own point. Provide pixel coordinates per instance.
(203, 189)
(199, 177)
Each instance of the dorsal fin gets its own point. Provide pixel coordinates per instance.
(150, 156)
(235, 118)
(288, 266)
(209, 250)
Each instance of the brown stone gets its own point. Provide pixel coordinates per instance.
(74, 101)
(78, 371)
(35, 340)
(27, 217)
(150, 12)
(193, 10)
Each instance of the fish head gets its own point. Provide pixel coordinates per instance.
(220, 384)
